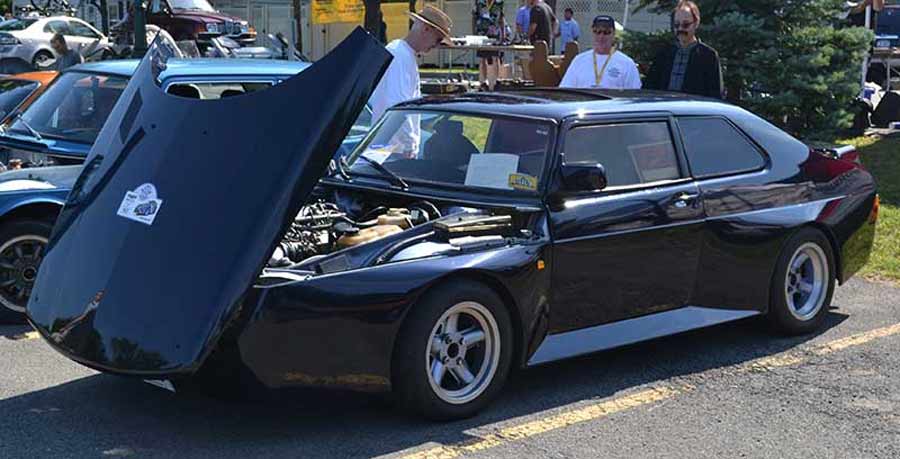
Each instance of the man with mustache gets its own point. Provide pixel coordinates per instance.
(688, 65)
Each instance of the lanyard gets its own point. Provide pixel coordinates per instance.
(598, 75)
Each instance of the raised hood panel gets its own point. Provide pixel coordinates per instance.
(180, 205)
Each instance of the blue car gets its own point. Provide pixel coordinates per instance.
(54, 135)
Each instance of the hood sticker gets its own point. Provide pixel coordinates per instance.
(141, 205)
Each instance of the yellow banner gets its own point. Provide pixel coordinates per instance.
(331, 11)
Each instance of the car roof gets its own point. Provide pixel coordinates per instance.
(199, 67)
(561, 103)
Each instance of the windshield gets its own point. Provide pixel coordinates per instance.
(16, 24)
(13, 92)
(192, 5)
(456, 149)
(74, 107)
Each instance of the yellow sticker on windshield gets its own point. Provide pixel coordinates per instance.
(523, 182)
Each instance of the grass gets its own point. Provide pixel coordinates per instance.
(881, 156)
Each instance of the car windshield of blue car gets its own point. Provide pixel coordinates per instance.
(16, 24)
(73, 108)
(201, 5)
(461, 150)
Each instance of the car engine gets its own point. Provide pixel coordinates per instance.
(322, 227)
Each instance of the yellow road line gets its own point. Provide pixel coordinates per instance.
(856, 340)
(539, 426)
(23, 336)
(646, 397)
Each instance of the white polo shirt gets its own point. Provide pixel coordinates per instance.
(621, 73)
(399, 84)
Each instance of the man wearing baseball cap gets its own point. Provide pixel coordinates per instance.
(400, 82)
(602, 66)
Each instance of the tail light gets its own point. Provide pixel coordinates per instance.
(873, 215)
(6, 39)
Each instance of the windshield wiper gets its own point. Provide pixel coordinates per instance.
(33, 132)
(395, 179)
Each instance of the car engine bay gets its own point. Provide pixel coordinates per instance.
(323, 226)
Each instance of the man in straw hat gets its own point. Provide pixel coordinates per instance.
(400, 82)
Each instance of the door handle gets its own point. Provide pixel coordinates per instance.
(684, 199)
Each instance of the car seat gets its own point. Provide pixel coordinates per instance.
(231, 93)
(448, 146)
(184, 90)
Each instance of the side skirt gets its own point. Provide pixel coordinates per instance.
(616, 334)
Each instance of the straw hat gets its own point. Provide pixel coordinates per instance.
(436, 18)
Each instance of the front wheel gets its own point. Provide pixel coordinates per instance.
(22, 245)
(454, 352)
(803, 283)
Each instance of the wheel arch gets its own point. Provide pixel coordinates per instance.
(832, 241)
(36, 210)
(509, 302)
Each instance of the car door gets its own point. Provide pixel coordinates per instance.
(741, 242)
(632, 248)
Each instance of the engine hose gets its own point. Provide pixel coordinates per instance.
(399, 246)
(431, 207)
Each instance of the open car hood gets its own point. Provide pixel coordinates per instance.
(177, 210)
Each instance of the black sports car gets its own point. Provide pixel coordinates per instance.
(465, 235)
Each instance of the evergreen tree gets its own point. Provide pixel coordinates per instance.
(795, 62)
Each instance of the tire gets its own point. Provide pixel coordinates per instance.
(799, 297)
(20, 267)
(486, 363)
(40, 58)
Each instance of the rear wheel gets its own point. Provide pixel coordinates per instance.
(454, 352)
(42, 60)
(22, 245)
(803, 283)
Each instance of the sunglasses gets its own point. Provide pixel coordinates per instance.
(683, 25)
(603, 31)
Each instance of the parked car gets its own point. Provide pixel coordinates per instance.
(507, 240)
(195, 20)
(18, 91)
(28, 38)
(68, 118)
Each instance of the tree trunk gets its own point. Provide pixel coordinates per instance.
(373, 17)
(104, 16)
(298, 18)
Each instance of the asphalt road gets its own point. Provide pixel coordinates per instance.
(730, 391)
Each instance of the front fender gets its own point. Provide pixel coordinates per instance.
(340, 329)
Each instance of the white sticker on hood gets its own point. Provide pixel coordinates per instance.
(141, 205)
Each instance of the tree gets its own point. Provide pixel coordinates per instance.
(794, 62)
(373, 17)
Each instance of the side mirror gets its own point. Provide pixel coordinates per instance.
(583, 176)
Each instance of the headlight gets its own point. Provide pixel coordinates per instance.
(245, 27)
(213, 27)
(9, 40)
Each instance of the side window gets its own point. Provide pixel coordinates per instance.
(631, 153)
(81, 30)
(212, 91)
(714, 147)
(58, 27)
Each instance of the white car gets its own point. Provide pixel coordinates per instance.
(28, 39)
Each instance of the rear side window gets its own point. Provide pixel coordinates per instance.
(715, 147)
(631, 153)
(58, 27)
